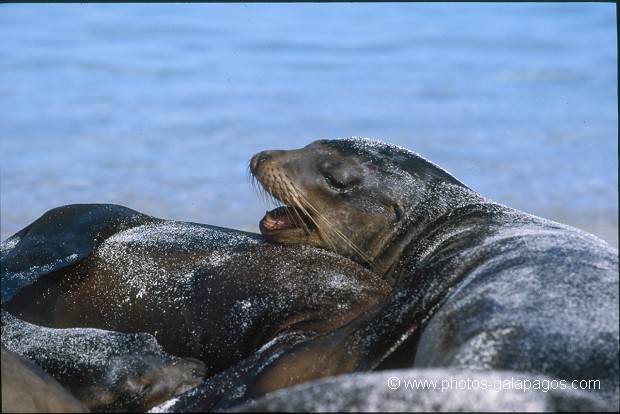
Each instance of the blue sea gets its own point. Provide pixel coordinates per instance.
(159, 107)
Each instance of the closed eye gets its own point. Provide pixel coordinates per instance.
(333, 183)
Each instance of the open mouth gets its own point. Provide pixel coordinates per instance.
(286, 219)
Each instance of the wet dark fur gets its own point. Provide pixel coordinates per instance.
(485, 286)
(204, 292)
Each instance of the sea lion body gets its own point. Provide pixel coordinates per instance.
(484, 286)
(203, 292)
(26, 388)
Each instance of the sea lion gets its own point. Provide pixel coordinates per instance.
(105, 371)
(484, 286)
(204, 292)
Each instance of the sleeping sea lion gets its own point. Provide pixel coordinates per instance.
(105, 371)
(484, 286)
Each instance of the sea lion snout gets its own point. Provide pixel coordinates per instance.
(259, 158)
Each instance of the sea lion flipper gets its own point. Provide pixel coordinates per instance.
(266, 370)
(60, 237)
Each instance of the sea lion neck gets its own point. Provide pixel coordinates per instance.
(422, 228)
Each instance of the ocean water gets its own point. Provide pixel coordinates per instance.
(159, 107)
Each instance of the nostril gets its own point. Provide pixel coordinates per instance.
(257, 159)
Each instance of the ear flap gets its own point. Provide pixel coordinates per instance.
(398, 211)
(392, 204)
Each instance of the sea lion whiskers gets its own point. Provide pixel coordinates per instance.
(297, 202)
(267, 192)
(339, 234)
(287, 196)
(291, 196)
(265, 195)
(298, 195)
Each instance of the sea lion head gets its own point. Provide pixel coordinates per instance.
(346, 195)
